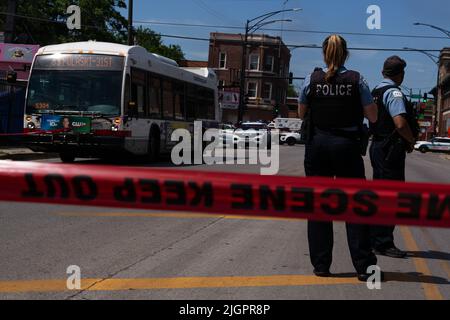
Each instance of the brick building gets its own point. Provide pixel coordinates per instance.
(443, 100)
(267, 72)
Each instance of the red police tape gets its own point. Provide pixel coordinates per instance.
(355, 201)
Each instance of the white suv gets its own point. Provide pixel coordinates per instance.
(253, 133)
(435, 145)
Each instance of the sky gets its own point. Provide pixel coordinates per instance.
(397, 17)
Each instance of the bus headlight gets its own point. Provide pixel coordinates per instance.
(31, 126)
(115, 128)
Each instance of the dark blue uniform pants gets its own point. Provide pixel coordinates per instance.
(392, 168)
(332, 156)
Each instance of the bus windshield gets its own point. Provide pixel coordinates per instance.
(68, 88)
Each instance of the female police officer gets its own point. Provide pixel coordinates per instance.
(337, 100)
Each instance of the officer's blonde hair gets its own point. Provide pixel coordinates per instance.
(335, 53)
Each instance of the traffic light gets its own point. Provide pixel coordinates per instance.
(276, 111)
(291, 78)
(425, 98)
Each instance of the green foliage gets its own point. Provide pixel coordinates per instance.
(152, 41)
(101, 20)
(292, 92)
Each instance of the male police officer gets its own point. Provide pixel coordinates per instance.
(393, 137)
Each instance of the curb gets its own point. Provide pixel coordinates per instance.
(27, 156)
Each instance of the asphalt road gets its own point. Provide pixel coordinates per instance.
(130, 254)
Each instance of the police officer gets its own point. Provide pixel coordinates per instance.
(337, 100)
(393, 137)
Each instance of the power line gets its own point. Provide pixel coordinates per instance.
(308, 46)
(289, 30)
(150, 22)
(207, 39)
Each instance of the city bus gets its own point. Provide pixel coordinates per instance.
(94, 99)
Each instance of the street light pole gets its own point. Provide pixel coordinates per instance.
(250, 28)
(130, 23)
(446, 32)
(243, 74)
(432, 58)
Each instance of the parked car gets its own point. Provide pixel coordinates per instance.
(252, 133)
(291, 138)
(439, 144)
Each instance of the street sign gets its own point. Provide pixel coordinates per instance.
(229, 99)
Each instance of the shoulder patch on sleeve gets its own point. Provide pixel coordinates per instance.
(397, 94)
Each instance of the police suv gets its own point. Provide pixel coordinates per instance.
(435, 145)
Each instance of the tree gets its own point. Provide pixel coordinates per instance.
(43, 22)
(152, 41)
(292, 92)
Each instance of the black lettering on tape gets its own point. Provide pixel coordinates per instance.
(125, 192)
(53, 181)
(32, 191)
(342, 202)
(412, 202)
(243, 192)
(204, 193)
(366, 198)
(177, 188)
(436, 208)
(277, 197)
(305, 196)
(152, 191)
(85, 188)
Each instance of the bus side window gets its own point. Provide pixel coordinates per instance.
(154, 97)
(179, 100)
(138, 90)
(168, 99)
(191, 102)
(202, 103)
(211, 110)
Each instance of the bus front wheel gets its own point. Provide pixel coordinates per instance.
(67, 157)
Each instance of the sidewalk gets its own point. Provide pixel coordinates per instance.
(21, 153)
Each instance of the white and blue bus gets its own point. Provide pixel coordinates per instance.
(94, 99)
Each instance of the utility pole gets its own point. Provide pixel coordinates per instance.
(242, 90)
(10, 22)
(130, 23)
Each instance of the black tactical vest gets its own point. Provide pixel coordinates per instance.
(336, 104)
(385, 126)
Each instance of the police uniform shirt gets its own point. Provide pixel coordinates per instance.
(365, 93)
(393, 99)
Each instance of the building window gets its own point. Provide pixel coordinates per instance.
(222, 60)
(268, 63)
(252, 88)
(267, 91)
(254, 62)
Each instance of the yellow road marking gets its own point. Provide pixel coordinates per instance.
(170, 215)
(173, 283)
(431, 290)
(444, 264)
